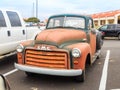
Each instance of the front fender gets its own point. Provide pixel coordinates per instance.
(118, 33)
(85, 50)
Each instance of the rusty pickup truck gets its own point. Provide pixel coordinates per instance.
(67, 45)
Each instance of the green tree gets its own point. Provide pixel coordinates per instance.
(32, 19)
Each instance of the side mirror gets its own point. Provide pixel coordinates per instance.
(4, 85)
(93, 31)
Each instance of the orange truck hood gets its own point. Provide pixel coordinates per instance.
(60, 35)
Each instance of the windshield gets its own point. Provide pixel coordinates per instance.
(66, 22)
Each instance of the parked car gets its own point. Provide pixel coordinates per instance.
(110, 30)
(13, 31)
(64, 48)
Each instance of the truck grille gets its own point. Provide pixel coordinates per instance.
(48, 59)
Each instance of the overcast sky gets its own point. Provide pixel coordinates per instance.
(47, 8)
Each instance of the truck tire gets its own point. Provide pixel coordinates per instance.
(118, 36)
(29, 74)
(81, 78)
(99, 41)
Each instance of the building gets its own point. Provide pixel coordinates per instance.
(110, 17)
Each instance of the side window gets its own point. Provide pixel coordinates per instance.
(2, 20)
(90, 25)
(104, 27)
(14, 19)
(111, 27)
(118, 26)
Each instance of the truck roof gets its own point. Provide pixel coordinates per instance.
(76, 15)
(3, 9)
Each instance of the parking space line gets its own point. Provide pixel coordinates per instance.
(104, 72)
(10, 72)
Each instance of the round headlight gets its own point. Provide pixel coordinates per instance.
(76, 52)
(20, 48)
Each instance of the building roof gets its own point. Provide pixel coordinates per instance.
(105, 14)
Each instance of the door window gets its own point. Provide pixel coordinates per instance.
(118, 26)
(104, 27)
(111, 27)
(90, 25)
(14, 19)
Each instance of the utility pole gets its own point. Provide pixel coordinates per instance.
(33, 12)
(36, 8)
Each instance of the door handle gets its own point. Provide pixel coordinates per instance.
(8, 33)
(23, 31)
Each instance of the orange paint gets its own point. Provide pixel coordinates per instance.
(85, 49)
(61, 35)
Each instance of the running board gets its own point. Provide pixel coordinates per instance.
(7, 55)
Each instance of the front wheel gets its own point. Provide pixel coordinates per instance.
(119, 36)
(81, 78)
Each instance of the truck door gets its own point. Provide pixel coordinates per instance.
(92, 36)
(17, 31)
(111, 30)
(5, 39)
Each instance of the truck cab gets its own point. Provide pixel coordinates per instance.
(64, 48)
(12, 31)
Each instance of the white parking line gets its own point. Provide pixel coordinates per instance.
(104, 72)
(10, 72)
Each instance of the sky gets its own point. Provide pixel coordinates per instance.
(46, 8)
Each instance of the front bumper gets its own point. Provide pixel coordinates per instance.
(58, 72)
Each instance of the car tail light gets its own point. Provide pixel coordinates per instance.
(103, 33)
